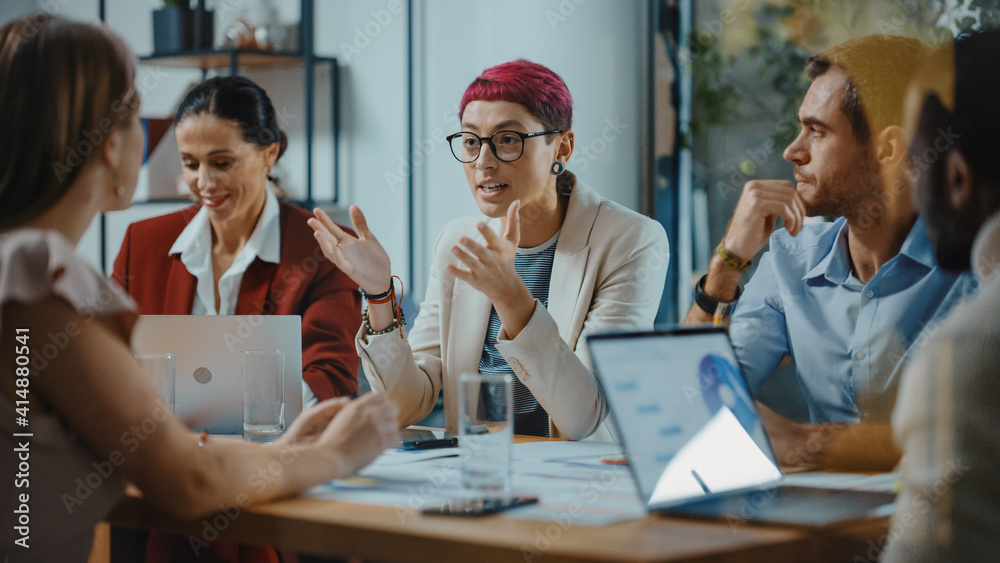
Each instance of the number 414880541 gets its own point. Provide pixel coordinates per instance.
(21, 370)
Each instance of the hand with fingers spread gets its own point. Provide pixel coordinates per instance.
(757, 211)
(490, 269)
(362, 257)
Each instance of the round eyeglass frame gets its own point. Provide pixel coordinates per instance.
(493, 147)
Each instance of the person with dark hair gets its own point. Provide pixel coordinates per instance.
(240, 251)
(72, 396)
(516, 291)
(946, 421)
(845, 300)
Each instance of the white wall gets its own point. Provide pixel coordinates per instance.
(595, 45)
(370, 42)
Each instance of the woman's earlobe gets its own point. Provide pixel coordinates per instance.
(958, 179)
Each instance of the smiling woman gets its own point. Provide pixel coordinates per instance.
(241, 251)
(517, 289)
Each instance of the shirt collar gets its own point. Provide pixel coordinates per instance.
(918, 246)
(265, 241)
(836, 267)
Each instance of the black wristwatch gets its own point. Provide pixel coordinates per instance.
(717, 309)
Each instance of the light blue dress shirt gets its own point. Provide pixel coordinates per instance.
(849, 341)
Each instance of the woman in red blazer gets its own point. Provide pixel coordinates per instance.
(239, 251)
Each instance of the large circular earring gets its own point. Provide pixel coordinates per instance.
(558, 168)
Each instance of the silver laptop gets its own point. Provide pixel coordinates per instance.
(694, 441)
(208, 380)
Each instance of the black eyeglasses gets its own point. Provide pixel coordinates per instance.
(508, 147)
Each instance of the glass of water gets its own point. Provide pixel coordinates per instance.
(485, 431)
(263, 395)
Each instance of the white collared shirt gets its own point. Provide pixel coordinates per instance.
(195, 247)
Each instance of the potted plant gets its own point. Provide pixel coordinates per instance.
(177, 28)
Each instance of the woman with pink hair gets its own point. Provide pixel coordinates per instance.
(518, 290)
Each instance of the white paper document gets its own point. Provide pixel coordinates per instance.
(572, 482)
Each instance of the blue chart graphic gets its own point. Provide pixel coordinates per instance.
(720, 385)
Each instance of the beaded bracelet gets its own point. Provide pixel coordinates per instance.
(398, 323)
(731, 259)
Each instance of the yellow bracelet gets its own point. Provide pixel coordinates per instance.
(731, 259)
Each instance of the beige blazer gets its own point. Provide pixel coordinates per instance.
(607, 275)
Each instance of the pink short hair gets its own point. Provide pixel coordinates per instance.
(530, 84)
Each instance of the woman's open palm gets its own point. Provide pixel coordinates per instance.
(362, 257)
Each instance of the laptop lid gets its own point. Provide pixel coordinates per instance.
(686, 418)
(208, 378)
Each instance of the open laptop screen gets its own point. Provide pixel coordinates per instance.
(684, 413)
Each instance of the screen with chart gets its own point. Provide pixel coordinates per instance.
(684, 413)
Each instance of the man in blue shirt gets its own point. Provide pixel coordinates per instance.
(845, 300)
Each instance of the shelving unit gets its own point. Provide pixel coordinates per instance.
(235, 59)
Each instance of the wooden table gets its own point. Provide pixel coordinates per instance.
(327, 527)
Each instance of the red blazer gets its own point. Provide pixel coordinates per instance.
(304, 283)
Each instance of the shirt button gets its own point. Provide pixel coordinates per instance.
(860, 355)
(518, 369)
(869, 294)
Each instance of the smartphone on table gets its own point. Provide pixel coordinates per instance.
(479, 506)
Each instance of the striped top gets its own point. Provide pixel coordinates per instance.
(534, 265)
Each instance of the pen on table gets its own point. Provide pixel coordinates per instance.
(700, 481)
(430, 444)
(614, 460)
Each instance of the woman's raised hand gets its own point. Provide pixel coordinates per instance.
(491, 271)
(362, 257)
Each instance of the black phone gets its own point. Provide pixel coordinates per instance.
(429, 443)
(479, 506)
